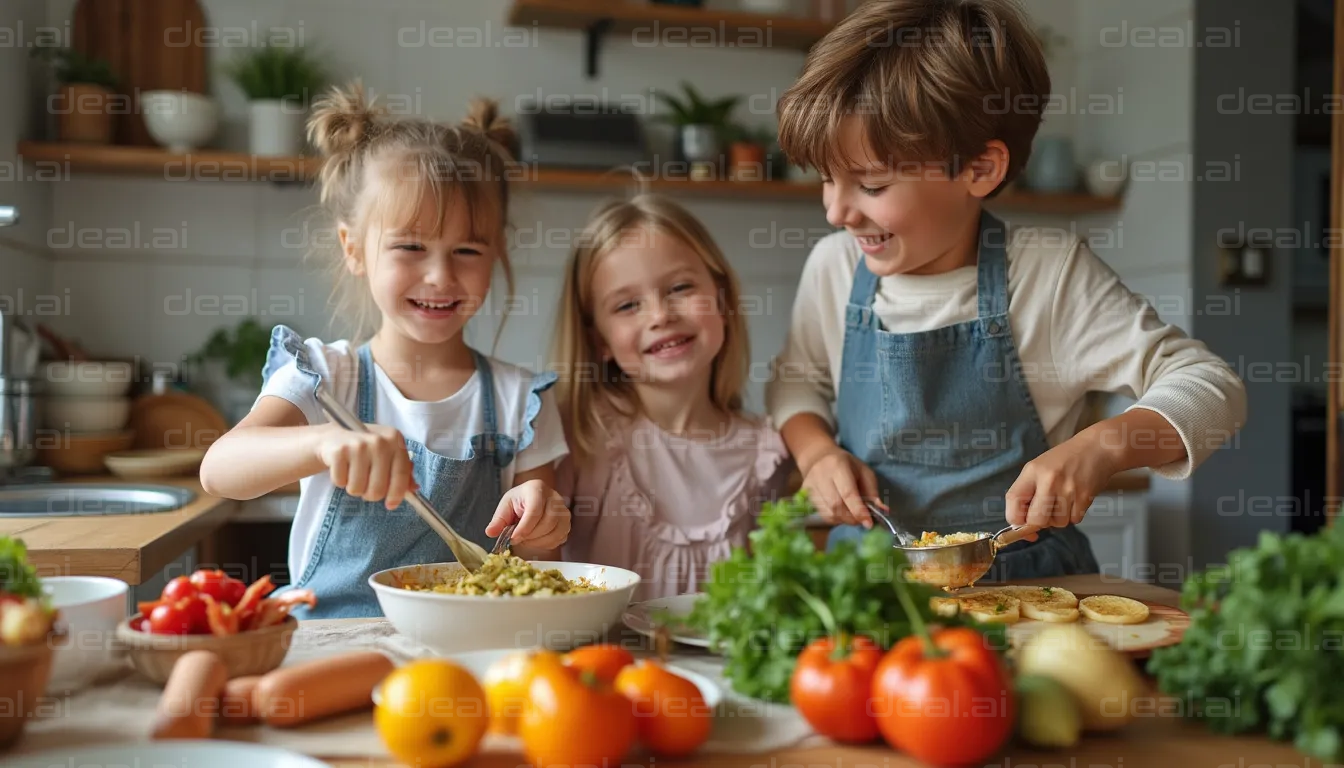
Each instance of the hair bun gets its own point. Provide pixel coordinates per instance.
(343, 120)
(483, 115)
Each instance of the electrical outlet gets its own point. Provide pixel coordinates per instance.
(1244, 264)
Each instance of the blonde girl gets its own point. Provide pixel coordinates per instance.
(420, 211)
(666, 472)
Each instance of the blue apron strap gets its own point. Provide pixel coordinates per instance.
(992, 268)
(487, 397)
(366, 389)
(863, 290)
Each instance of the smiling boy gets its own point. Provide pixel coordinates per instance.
(937, 359)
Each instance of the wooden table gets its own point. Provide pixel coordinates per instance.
(1148, 742)
(132, 547)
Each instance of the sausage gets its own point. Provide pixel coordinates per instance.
(295, 695)
(190, 698)
(235, 705)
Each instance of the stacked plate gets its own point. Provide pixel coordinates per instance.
(85, 409)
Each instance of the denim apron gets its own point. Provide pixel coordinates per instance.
(359, 538)
(946, 421)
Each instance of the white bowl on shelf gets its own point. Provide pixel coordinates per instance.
(90, 609)
(86, 414)
(90, 378)
(459, 623)
(180, 120)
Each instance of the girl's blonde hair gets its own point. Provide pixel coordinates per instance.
(414, 160)
(587, 383)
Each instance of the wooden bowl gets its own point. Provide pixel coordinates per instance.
(77, 454)
(24, 673)
(246, 653)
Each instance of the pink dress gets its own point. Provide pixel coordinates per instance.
(666, 506)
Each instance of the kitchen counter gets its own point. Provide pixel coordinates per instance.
(132, 547)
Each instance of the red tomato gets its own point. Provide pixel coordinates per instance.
(210, 583)
(169, 619)
(832, 690)
(605, 661)
(953, 706)
(179, 588)
(195, 609)
(233, 590)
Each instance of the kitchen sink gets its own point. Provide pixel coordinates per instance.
(90, 499)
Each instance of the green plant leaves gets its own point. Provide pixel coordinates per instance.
(274, 71)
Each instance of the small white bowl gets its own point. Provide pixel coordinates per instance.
(1106, 178)
(180, 120)
(86, 414)
(92, 378)
(154, 462)
(90, 609)
(459, 623)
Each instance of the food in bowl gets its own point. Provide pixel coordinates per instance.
(933, 539)
(210, 602)
(27, 632)
(509, 576)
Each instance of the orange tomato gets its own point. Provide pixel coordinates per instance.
(431, 713)
(605, 661)
(505, 683)
(672, 716)
(573, 718)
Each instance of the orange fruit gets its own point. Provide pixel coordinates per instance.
(670, 712)
(505, 682)
(431, 713)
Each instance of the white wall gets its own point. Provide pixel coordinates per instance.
(25, 274)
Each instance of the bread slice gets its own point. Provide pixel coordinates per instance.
(1113, 609)
(995, 606)
(946, 607)
(1051, 604)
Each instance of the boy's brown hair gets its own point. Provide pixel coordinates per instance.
(931, 81)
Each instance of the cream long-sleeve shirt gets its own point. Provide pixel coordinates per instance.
(1077, 329)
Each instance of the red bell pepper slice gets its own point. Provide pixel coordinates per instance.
(223, 620)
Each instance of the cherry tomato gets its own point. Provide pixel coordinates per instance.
(233, 590)
(605, 661)
(948, 704)
(210, 583)
(195, 609)
(169, 619)
(831, 689)
(179, 588)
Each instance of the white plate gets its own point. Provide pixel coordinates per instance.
(477, 662)
(640, 618)
(180, 754)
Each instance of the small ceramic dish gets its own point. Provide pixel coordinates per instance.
(254, 652)
(155, 462)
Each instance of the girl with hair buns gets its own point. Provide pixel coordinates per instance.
(420, 211)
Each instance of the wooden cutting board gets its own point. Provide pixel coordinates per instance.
(150, 44)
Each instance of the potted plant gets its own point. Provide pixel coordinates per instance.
(279, 80)
(700, 124)
(230, 362)
(747, 153)
(87, 89)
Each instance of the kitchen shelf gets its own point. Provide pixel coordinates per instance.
(728, 29)
(213, 165)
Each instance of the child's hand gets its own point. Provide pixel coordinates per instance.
(372, 465)
(837, 484)
(540, 512)
(1056, 488)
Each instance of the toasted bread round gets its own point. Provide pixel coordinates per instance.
(946, 607)
(1052, 604)
(995, 606)
(1113, 609)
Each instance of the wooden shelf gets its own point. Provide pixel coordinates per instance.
(52, 161)
(688, 24)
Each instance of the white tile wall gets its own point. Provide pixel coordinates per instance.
(25, 274)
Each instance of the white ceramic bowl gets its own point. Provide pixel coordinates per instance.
(154, 462)
(180, 120)
(459, 623)
(90, 609)
(86, 414)
(92, 378)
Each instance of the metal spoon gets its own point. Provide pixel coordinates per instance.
(470, 554)
(905, 538)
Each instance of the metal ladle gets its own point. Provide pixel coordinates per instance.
(953, 566)
(904, 537)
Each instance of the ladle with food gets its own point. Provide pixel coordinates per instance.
(957, 560)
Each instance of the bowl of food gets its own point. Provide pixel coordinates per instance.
(509, 603)
(211, 611)
(28, 637)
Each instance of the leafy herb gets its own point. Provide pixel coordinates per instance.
(1266, 633)
(753, 612)
(1049, 591)
(1000, 607)
(17, 576)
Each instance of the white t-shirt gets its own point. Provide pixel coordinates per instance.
(1076, 326)
(445, 427)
